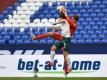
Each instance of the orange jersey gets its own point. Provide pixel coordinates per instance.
(73, 25)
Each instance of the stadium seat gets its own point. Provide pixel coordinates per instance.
(39, 15)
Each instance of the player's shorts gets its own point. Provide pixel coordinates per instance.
(57, 36)
(65, 44)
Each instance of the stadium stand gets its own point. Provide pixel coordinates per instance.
(29, 16)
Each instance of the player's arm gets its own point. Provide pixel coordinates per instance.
(56, 28)
(60, 21)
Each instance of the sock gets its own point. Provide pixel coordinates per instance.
(41, 36)
(52, 55)
(68, 62)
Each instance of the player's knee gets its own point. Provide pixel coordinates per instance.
(53, 48)
(65, 49)
(65, 53)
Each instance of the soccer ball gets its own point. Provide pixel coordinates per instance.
(61, 9)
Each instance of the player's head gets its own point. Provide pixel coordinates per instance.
(61, 9)
(76, 17)
(62, 15)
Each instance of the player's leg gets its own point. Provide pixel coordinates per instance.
(66, 43)
(53, 50)
(57, 36)
(42, 36)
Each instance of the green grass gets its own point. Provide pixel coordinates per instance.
(32, 78)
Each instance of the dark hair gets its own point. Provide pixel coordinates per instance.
(76, 17)
(62, 15)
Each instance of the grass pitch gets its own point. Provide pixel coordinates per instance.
(33, 78)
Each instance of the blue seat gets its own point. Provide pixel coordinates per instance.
(92, 23)
(88, 41)
(82, 11)
(97, 41)
(56, 16)
(62, 4)
(104, 2)
(93, 37)
(85, 15)
(88, 19)
(84, 24)
(22, 33)
(105, 23)
(9, 30)
(90, 11)
(102, 6)
(35, 42)
(1, 17)
(5, 12)
(73, 41)
(98, 2)
(75, 11)
(81, 41)
(54, 4)
(27, 42)
(86, 7)
(17, 30)
(25, 37)
(43, 41)
(12, 42)
(100, 23)
(34, 29)
(81, 20)
(93, 15)
(2, 41)
(50, 8)
(7, 37)
(72, 7)
(45, 4)
(98, 32)
(50, 41)
(49, 30)
(104, 19)
(79, 7)
(19, 41)
(21, 1)
(69, 3)
(27, 29)
(84, 3)
(96, 19)
(90, 3)
(32, 17)
(17, 37)
(97, 11)
(45, 12)
(48, 16)
(77, 3)
(100, 15)
(41, 16)
(52, 12)
(16, 4)
(2, 29)
(42, 29)
(104, 11)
